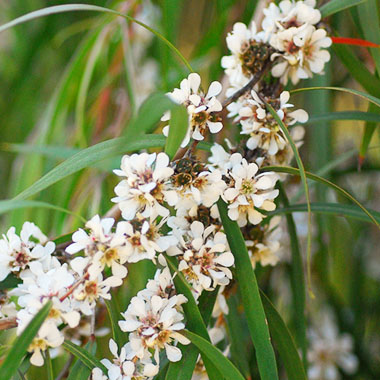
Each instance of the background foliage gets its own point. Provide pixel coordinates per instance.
(68, 81)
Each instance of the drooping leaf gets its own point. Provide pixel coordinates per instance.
(21, 344)
(252, 303)
(314, 177)
(345, 115)
(90, 156)
(338, 209)
(229, 371)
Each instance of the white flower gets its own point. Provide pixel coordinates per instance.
(45, 339)
(154, 324)
(204, 257)
(92, 289)
(17, 252)
(248, 54)
(125, 367)
(263, 129)
(246, 192)
(289, 14)
(301, 52)
(201, 108)
(264, 243)
(145, 189)
(142, 239)
(329, 350)
(196, 185)
(103, 247)
(162, 285)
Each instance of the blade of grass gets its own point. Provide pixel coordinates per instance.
(93, 8)
(224, 366)
(314, 177)
(305, 186)
(249, 290)
(21, 344)
(90, 361)
(284, 342)
(297, 280)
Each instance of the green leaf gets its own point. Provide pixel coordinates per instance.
(345, 115)
(149, 113)
(297, 280)
(49, 366)
(361, 94)
(357, 69)
(8, 205)
(84, 356)
(21, 344)
(185, 367)
(224, 366)
(314, 177)
(369, 130)
(114, 314)
(10, 282)
(305, 187)
(179, 122)
(80, 371)
(249, 290)
(90, 156)
(194, 318)
(348, 211)
(334, 6)
(284, 342)
(83, 7)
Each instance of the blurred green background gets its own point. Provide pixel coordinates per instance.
(71, 80)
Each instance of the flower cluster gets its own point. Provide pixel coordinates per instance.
(289, 40)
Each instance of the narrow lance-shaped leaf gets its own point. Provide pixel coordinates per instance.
(284, 129)
(21, 344)
(335, 6)
(114, 315)
(338, 209)
(80, 371)
(284, 342)
(345, 115)
(194, 318)
(84, 356)
(249, 290)
(178, 126)
(84, 7)
(229, 371)
(185, 367)
(314, 177)
(297, 279)
(361, 94)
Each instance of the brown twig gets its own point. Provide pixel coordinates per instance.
(8, 323)
(249, 85)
